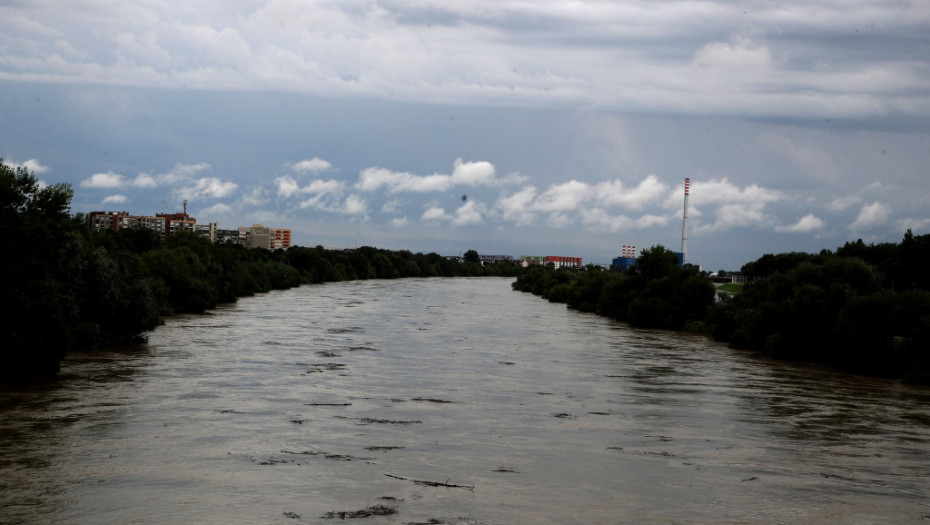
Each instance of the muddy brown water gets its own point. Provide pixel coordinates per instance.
(453, 401)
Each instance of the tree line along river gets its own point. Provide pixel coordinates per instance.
(453, 401)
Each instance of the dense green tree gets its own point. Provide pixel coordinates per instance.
(36, 313)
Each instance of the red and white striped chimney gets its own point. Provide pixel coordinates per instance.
(684, 224)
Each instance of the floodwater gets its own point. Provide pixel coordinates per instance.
(429, 401)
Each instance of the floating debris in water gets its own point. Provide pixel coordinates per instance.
(369, 420)
(334, 457)
(376, 510)
(430, 400)
(433, 483)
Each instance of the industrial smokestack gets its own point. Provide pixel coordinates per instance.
(684, 224)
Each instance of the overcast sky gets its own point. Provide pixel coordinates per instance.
(508, 127)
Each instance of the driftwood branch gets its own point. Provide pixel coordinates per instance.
(433, 483)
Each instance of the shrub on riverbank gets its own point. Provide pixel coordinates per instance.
(655, 293)
(864, 308)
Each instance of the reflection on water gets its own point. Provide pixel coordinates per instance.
(453, 401)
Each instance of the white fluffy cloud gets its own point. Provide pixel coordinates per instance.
(181, 178)
(564, 197)
(463, 174)
(470, 213)
(144, 180)
(210, 187)
(33, 165)
(314, 165)
(115, 199)
(871, 215)
(806, 224)
(647, 192)
(108, 180)
(613, 206)
(322, 195)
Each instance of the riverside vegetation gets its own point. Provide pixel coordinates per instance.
(66, 288)
(863, 308)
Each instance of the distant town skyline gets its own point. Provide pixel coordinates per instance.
(549, 128)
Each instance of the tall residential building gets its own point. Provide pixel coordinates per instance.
(207, 230)
(255, 236)
(176, 222)
(280, 238)
(118, 220)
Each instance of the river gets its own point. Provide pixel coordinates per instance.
(434, 401)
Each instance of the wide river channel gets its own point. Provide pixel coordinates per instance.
(447, 401)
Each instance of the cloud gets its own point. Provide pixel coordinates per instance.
(871, 215)
(354, 205)
(716, 191)
(598, 219)
(698, 57)
(287, 186)
(322, 193)
(181, 173)
(33, 165)
(564, 197)
(913, 224)
(106, 180)
(314, 165)
(435, 213)
(479, 173)
(255, 197)
(467, 214)
(735, 215)
(207, 187)
(518, 208)
(806, 224)
(841, 203)
(399, 222)
(607, 206)
(392, 206)
(219, 209)
(144, 180)
(115, 199)
(647, 192)
(181, 176)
